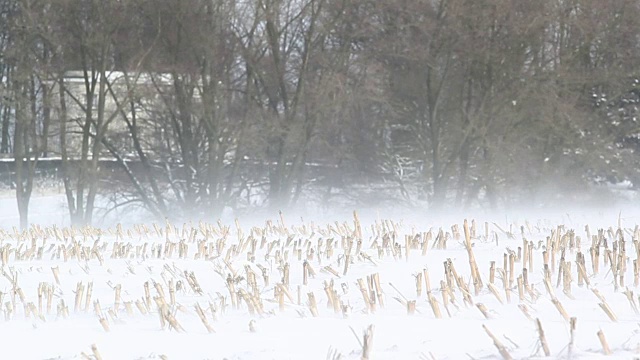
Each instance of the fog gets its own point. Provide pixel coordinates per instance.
(608, 209)
(283, 155)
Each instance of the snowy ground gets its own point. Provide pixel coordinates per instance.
(258, 313)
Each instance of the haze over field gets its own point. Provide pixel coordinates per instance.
(302, 179)
(419, 287)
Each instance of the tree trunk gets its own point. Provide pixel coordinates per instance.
(65, 168)
(5, 114)
(4, 147)
(462, 176)
(19, 156)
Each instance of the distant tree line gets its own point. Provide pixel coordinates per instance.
(450, 102)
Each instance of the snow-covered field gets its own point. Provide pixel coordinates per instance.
(298, 289)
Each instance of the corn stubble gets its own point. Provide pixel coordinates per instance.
(259, 271)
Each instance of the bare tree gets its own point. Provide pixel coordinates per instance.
(290, 63)
(207, 104)
(28, 99)
(86, 34)
(7, 11)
